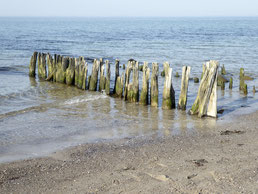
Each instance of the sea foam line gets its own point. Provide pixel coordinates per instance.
(78, 100)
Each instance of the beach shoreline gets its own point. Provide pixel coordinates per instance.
(221, 160)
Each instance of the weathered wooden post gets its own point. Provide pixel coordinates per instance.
(50, 65)
(62, 64)
(119, 86)
(154, 85)
(70, 71)
(184, 87)
(39, 64)
(54, 67)
(84, 83)
(242, 80)
(81, 69)
(223, 70)
(254, 90)
(168, 101)
(127, 78)
(102, 78)
(222, 86)
(145, 84)
(245, 89)
(116, 75)
(42, 69)
(203, 69)
(206, 100)
(76, 71)
(133, 88)
(231, 83)
(108, 74)
(94, 76)
(51, 68)
(33, 61)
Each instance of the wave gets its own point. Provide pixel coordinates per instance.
(23, 111)
(78, 100)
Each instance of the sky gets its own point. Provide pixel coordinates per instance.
(128, 8)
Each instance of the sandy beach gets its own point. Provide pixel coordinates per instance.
(221, 159)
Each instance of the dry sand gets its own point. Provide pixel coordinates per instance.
(207, 162)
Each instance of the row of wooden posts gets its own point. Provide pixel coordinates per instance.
(74, 71)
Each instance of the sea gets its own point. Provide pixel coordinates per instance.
(38, 117)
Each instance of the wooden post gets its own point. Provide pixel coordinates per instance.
(62, 64)
(133, 88)
(76, 71)
(84, 83)
(94, 76)
(127, 78)
(254, 90)
(242, 80)
(184, 88)
(222, 86)
(206, 100)
(39, 65)
(203, 70)
(168, 101)
(70, 71)
(81, 69)
(54, 67)
(107, 79)
(223, 70)
(102, 78)
(154, 85)
(33, 61)
(245, 89)
(42, 68)
(50, 64)
(119, 86)
(231, 83)
(117, 74)
(145, 84)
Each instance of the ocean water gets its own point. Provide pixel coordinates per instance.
(38, 117)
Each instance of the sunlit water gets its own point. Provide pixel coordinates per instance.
(38, 117)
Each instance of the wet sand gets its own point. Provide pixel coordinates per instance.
(221, 159)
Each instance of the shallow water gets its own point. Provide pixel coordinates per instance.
(40, 117)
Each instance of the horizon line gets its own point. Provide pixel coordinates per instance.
(2, 16)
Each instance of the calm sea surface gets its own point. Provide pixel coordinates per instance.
(37, 117)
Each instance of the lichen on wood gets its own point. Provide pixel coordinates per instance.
(61, 66)
(144, 97)
(107, 78)
(184, 88)
(206, 100)
(116, 74)
(70, 72)
(168, 100)
(132, 89)
(94, 75)
(42, 68)
(102, 79)
(33, 62)
(154, 85)
(85, 76)
(50, 65)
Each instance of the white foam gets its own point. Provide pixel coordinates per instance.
(81, 99)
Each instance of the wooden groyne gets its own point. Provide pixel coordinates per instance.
(74, 71)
